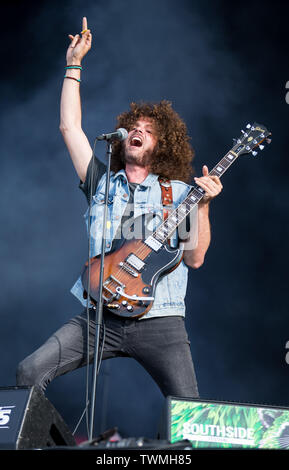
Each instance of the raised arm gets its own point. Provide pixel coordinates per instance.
(70, 105)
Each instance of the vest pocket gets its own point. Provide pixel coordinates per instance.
(99, 198)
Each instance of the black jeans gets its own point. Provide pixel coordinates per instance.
(160, 345)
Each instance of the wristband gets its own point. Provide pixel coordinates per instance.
(73, 67)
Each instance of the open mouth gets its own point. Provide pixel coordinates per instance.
(136, 141)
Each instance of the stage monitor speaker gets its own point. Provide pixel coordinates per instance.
(224, 424)
(29, 421)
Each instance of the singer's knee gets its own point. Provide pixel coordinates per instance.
(29, 373)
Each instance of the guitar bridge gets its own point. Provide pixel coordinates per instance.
(128, 269)
(108, 285)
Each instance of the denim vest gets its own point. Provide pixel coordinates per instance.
(171, 289)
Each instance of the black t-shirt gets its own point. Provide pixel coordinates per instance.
(95, 171)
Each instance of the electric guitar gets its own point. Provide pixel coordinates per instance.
(131, 273)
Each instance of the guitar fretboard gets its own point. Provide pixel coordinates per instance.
(176, 217)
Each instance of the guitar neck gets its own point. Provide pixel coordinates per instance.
(176, 217)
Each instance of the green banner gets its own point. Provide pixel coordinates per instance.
(209, 424)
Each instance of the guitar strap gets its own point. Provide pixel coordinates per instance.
(167, 197)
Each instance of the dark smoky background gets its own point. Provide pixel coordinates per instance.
(222, 65)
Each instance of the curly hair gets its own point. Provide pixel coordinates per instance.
(173, 155)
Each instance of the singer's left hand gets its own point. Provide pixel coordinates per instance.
(211, 184)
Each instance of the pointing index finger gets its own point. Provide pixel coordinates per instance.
(84, 23)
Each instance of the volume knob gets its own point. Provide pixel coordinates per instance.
(129, 308)
(146, 290)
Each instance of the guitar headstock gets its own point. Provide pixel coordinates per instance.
(255, 137)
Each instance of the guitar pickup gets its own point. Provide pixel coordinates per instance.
(135, 262)
(153, 243)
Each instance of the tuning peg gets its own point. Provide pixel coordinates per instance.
(254, 153)
(248, 126)
(268, 141)
(261, 147)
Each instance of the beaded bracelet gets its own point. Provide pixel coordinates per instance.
(73, 67)
(73, 78)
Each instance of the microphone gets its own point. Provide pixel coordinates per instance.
(119, 134)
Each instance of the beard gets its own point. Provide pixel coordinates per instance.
(143, 160)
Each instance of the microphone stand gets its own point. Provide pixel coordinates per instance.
(98, 311)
